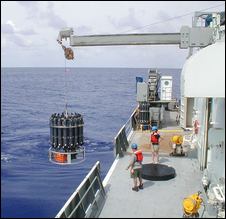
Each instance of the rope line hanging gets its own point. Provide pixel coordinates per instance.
(65, 86)
(69, 54)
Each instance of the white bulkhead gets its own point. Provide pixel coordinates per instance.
(203, 108)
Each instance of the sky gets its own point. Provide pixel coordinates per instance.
(29, 30)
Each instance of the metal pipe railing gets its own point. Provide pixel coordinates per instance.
(121, 139)
(89, 193)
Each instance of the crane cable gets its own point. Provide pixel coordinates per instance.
(65, 87)
(68, 54)
(171, 18)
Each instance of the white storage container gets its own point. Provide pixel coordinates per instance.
(166, 88)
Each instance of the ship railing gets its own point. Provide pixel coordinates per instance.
(88, 199)
(121, 140)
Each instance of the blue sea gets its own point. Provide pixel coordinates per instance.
(32, 186)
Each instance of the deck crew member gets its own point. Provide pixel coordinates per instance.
(155, 137)
(135, 166)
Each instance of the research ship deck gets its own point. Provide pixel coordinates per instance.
(158, 198)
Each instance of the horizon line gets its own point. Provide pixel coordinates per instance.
(85, 67)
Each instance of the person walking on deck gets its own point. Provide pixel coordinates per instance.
(155, 137)
(135, 166)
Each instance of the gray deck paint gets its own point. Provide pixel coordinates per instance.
(158, 198)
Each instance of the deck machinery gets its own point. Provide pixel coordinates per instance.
(154, 97)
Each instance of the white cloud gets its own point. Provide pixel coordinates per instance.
(10, 28)
(7, 28)
(129, 20)
(14, 41)
(53, 20)
(21, 41)
(3, 42)
(14, 36)
(30, 4)
(82, 30)
(32, 8)
(43, 15)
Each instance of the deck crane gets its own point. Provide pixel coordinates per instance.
(186, 38)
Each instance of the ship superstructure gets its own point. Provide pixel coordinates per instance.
(203, 109)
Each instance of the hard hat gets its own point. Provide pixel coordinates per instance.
(134, 146)
(177, 139)
(154, 128)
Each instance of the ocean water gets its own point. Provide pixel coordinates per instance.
(31, 186)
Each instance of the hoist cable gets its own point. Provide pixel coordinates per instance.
(65, 86)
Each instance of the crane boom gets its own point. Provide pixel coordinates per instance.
(187, 37)
(126, 39)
